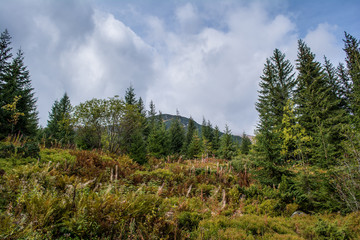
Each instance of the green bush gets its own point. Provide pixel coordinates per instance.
(6, 150)
(189, 220)
(327, 230)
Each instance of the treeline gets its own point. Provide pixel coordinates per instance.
(125, 127)
(116, 125)
(310, 118)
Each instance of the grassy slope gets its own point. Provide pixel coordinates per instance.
(71, 194)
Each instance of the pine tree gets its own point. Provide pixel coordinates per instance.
(16, 83)
(216, 140)
(60, 123)
(5, 53)
(318, 108)
(5, 60)
(195, 147)
(227, 147)
(130, 97)
(207, 131)
(158, 142)
(345, 88)
(352, 74)
(245, 144)
(191, 130)
(177, 136)
(276, 88)
(277, 84)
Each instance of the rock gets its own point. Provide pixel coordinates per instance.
(297, 213)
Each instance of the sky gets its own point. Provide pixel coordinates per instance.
(203, 58)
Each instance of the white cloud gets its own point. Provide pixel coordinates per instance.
(215, 73)
(323, 42)
(188, 18)
(110, 59)
(204, 63)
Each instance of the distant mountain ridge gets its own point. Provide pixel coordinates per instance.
(167, 118)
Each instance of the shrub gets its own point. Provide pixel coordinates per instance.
(6, 150)
(189, 220)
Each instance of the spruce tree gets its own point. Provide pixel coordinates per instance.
(352, 74)
(158, 142)
(5, 53)
(195, 147)
(318, 108)
(216, 140)
(60, 123)
(227, 147)
(177, 136)
(5, 61)
(245, 144)
(16, 84)
(191, 130)
(276, 88)
(130, 97)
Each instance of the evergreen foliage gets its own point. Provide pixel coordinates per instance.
(352, 74)
(130, 97)
(216, 140)
(245, 144)
(190, 132)
(177, 136)
(60, 123)
(227, 148)
(318, 107)
(16, 88)
(277, 84)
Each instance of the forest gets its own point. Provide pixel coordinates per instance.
(113, 169)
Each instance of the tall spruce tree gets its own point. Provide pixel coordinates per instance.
(60, 123)
(158, 142)
(216, 140)
(352, 74)
(177, 136)
(227, 147)
(277, 84)
(318, 107)
(16, 91)
(190, 131)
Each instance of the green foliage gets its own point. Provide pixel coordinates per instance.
(18, 103)
(227, 148)
(245, 144)
(90, 118)
(189, 220)
(60, 123)
(158, 142)
(293, 136)
(177, 136)
(195, 147)
(318, 108)
(277, 83)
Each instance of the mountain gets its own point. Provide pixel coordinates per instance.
(167, 118)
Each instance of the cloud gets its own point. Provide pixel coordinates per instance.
(202, 59)
(323, 42)
(215, 73)
(110, 59)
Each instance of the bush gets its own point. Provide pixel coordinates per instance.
(6, 150)
(189, 220)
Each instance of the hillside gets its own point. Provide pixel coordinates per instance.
(167, 118)
(74, 194)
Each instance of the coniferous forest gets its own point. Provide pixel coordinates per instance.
(114, 168)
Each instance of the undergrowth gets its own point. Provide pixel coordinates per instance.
(73, 194)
